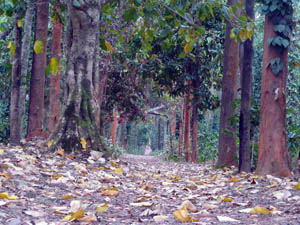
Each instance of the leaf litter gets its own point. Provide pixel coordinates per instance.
(39, 187)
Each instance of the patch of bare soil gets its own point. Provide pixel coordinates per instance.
(38, 187)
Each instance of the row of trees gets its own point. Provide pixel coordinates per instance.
(116, 55)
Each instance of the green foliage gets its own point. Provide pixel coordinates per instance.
(280, 12)
(208, 144)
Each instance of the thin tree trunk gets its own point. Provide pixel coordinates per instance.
(227, 140)
(246, 85)
(37, 82)
(15, 122)
(273, 150)
(114, 126)
(187, 125)
(159, 134)
(54, 94)
(181, 128)
(173, 128)
(26, 45)
(79, 114)
(196, 86)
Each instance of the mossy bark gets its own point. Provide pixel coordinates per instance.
(80, 105)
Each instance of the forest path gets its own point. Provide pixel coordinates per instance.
(40, 188)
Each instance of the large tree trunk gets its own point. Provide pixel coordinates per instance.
(187, 123)
(273, 150)
(54, 94)
(37, 82)
(15, 122)
(227, 140)
(246, 85)
(79, 114)
(26, 45)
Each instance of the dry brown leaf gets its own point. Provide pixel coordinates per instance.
(233, 179)
(141, 204)
(209, 206)
(160, 218)
(182, 215)
(60, 152)
(8, 176)
(189, 206)
(112, 193)
(260, 210)
(102, 208)
(67, 197)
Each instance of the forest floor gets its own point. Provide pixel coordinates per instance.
(38, 187)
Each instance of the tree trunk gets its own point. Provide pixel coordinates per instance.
(79, 114)
(159, 133)
(227, 142)
(246, 85)
(114, 126)
(181, 128)
(15, 122)
(26, 45)
(173, 128)
(187, 125)
(37, 82)
(196, 86)
(54, 94)
(273, 150)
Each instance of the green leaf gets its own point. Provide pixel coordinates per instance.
(130, 14)
(285, 43)
(76, 3)
(279, 28)
(38, 47)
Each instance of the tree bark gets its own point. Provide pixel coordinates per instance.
(181, 128)
(79, 114)
(246, 85)
(54, 94)
(159, 133)
(227, 140)
(15, 122)
(273, 150)
(26, 45)
(196, 86)
(173, 128)
(37, 82)
(187, 125)
(114, 126)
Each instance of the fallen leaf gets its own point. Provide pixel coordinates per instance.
(297, 186)
(260, 210)
(4, 195)
(160, 218)
(227, 200)
(282, 195)
(182, 215)
(227, 219)
(189, 206)
(110, 193)
(8, 176)
(60, 152)
(209, 206)
(233, 179)
(50, 143)
(102, 208)
(141, 204)
(118, 171)
(67, 197)
(83, 143)
(35, 213)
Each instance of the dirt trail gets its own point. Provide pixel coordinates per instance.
(43, 188)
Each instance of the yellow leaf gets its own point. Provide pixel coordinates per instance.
(232, 34)
(67, 218)
(4, 166)
(12, 49)
(9, 43)
(272, 186)
(8, 176)
(78, 214)
(38, 47)
(61, 152)
(13, 197)
(102, 208)
(83, 143)
(118, 171)
(19, 23)
(50, 143)
(227, 200)
(108, 46)
(260, 210)
(187, 48)
(114, 164)
(67, 197)
(57, 176)
(297, 186)
(233, 179)
(3, 195)
(54, 66)
(182, 215)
